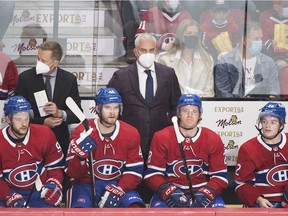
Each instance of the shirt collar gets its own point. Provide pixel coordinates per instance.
(141, 69)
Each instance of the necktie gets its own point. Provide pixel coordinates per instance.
(149, 87)
(48, 88)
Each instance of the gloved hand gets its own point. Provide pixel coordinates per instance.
(15, 200)
(111, 197)
(84, 144)
(173, 196)
(52, 192)
(3, 95)
(203, 197)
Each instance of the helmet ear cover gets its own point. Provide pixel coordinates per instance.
(189, 99)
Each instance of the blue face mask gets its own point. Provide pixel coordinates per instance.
(256, 47)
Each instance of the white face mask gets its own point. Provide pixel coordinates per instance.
(42, 68)
(146, 60)
(173, 4)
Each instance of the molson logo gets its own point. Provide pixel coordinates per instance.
(225, 122)
(231, 145)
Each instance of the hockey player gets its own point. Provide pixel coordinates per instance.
(28, 152)
(262, 166)
(117, 158)
(204, 155)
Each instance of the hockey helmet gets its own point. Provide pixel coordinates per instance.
(106, 96)
(190, 99)
(16, 104)
(273, 109)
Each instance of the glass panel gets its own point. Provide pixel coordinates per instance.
(98, 38)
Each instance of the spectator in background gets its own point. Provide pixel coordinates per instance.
(131, 13)
(32, 83)
(8, 75)
(204, 155)
(8, 69)
(245, 71)
(219, 32)
(192, 64)
(262, 165)
(275, 42)
(30, 154)
(31, 37)
(162, 21)
(198, 7)
(117, 160)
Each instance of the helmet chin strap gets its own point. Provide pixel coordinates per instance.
(260, 132)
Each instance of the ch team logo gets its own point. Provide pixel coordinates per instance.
(23, 176)
(278, 175)
(194, 167)
(107, 169)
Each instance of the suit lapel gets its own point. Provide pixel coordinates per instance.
(59, 84)
(160, 80)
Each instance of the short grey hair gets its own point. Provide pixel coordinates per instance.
(144, 36)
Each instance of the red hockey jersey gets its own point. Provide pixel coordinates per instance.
(116, 158)
(161, 24)
(261, 170)
(205, 160)
(21, 163)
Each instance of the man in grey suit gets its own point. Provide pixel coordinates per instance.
(58, 84)
(148, 108)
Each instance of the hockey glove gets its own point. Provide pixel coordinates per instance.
(3, 95)
(111, 197)
(15, 200)
(173, 196)
(52, 192)
(203, 197)
(84, 144)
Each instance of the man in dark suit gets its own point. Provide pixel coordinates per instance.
(147, 116)
(55, 114)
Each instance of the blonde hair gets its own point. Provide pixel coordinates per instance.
(53, 46)
(179, 37)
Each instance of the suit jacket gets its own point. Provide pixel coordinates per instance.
(147, 119)
(65, 86)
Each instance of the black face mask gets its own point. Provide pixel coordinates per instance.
(190, 42)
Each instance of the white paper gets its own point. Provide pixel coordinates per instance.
(41, 100)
